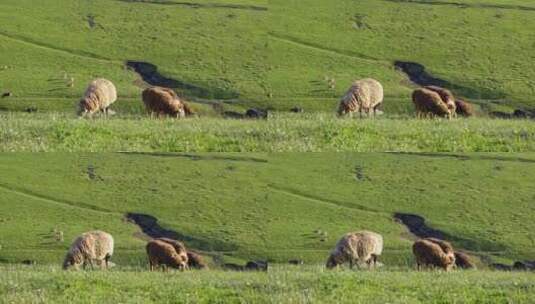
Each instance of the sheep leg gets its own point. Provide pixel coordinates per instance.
(107, 261)
(91, 264)
(351, 264)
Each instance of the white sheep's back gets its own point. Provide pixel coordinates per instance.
(104, 244)
(104, 89)
(372, 241)
(369, 92)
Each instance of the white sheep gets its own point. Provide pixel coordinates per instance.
(357, 247)
(99, 96)
(364, 95)
(93, 246)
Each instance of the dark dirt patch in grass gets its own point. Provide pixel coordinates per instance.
(417, 226)
(419, 75)
(149, 73)
(149, 226)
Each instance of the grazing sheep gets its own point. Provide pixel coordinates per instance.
(429, 253)
(446, 246)
(447, 97)
(89, 247)
(188, 111)
(428, 102)
(464, 108)
(363, 96)
(164, 101)
(463, 261)
(164, 254)
(179, 248)
(196, 261)
(99, 96)
(363, 246)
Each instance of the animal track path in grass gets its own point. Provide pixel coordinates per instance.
(467, 157)
(467, 5)
(42, 45)
(48, 199)
(195, 157)
(313, 46)
(324, 201)
(196, 5)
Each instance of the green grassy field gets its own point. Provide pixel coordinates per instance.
(281, 285)
(466, 43)
(280, 133)
(278, 54)
(268, 206)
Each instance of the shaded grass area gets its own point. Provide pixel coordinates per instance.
(281, 132)
(280, 285)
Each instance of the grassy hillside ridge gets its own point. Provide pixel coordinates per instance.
(269, 206)
(280, 285)
(104, 34)
(280, 133)
(467, 44)
(277, 54)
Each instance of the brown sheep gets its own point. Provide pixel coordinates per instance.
(163, 101)
(196, 261)
(446, 246)
(429, 253)
(428, 102)
(363, 95)
(463, 261)
(99, 96)
(179, 247)
(356, 247)
(164, 254)
(464, 108)
(447, 97)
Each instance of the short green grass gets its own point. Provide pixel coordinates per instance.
(279, 285)
(281, 132)
(276, 206)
